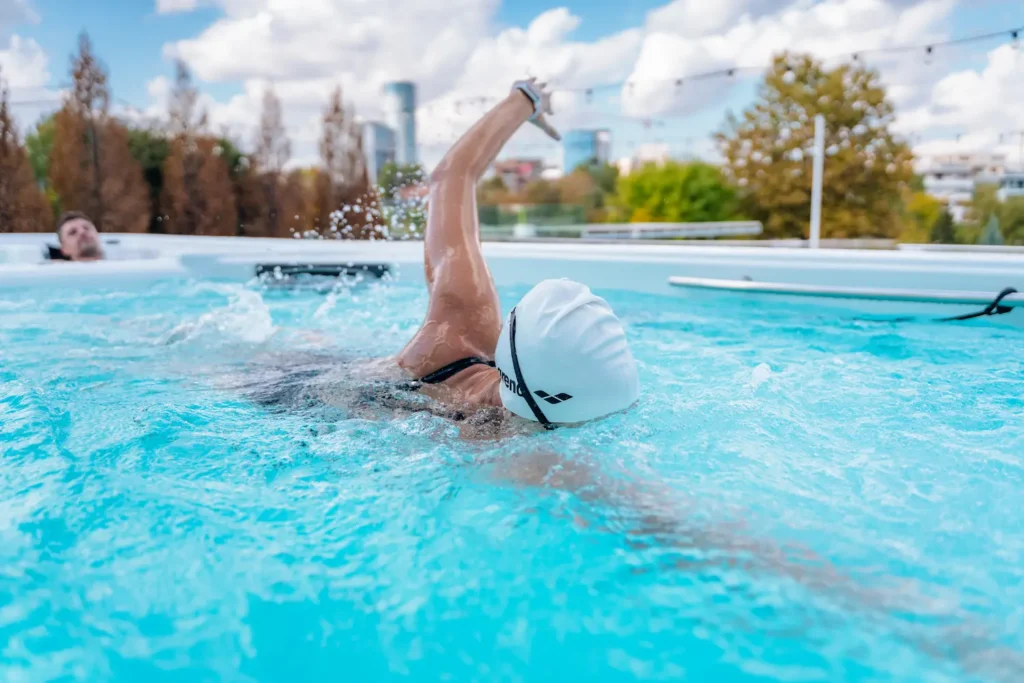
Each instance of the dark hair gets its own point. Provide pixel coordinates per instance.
(68, 216)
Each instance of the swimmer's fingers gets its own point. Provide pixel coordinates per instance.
(543, 124)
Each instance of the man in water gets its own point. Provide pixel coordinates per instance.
(561, 356)
(79, 239)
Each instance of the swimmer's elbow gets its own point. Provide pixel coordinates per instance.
(450, 170)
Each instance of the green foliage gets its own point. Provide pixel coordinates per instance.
(992, 235)
(150, 150)
(605, 177)
(393, 177)
(677, 192)
(237, 162)
(39, 145)
(984, 204)
(943, 231)
(1011, 216)
(768, 151)
(922, 212)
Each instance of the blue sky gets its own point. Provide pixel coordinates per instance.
(131, 37)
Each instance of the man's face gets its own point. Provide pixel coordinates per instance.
(79, 240)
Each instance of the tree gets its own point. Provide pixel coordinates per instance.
(91, 166)
(493, 191)
(392, 177)
(943, 231)
(605, 176)
(273, 149)
(1011, 218)
(677, 192)
(23, 208)
(984, 204)
(39, 146)
(198, 197)
(922, 212)
(345, 203)
(150, 149)
(991, 235)
(541, 191)
(768, 151)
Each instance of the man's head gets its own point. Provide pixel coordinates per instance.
(79, 240)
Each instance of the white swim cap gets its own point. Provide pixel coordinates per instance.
(574, 361)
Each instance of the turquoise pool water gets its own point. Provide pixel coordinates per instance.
(799, 496)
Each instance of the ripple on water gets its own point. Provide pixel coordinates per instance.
(156, 524)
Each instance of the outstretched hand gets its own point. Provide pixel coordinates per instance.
(542, 106)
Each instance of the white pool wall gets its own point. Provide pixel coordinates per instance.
(637, 267)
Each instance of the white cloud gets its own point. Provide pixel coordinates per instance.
(173, 6)
(971, 110)
(448, 51)
(16, 12)
(24, 65)
(693, 37)
(462, 65)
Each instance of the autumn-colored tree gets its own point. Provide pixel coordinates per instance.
(23, 207)
(198, 197)
(274, 197)
(493, 191)
(768, 151)
(346, 204)
(91, 166)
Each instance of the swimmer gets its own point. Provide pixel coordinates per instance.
(78, 237)
(560, 356)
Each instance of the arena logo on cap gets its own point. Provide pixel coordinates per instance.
(553, 400)
(514, 387)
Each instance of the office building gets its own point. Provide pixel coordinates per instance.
(585, 147)
(952, 178)
(1011, 185)
(400, 114)
(378, 146)
(652, 153)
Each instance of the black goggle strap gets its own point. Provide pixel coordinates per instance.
(537, 412)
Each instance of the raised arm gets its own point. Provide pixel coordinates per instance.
(464, 316)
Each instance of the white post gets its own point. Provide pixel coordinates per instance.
(819, 170)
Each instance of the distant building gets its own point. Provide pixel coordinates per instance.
(588, 147)
(1011, 185)
(643, 155)
(400, 113)
(551, 173)
(516, 174)
(952, 178)
(378, 146)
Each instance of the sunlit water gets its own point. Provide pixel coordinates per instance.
(157, 526)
